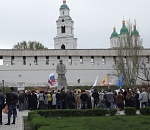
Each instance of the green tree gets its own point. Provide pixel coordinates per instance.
(30, 45)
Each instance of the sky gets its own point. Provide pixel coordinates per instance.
(35, 20)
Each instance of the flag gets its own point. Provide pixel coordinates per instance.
(119, 82)
(95, 82)
(104, 81)
(51, 79)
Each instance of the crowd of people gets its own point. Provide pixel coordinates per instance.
(76, 99)
(84, 99)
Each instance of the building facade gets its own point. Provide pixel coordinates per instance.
(32, 67)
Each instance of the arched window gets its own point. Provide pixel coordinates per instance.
(62, 46)
(62, 29)
(63, 20)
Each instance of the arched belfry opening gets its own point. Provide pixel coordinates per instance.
(62, 29)
(63, 46)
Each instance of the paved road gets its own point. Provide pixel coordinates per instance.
(19, 121)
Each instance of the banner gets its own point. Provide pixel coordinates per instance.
(21, 86)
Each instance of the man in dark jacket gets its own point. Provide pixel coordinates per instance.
(58, 100)
(33, 101)
(84, 98)
(2, 101)
(11, 101)
(95, 95)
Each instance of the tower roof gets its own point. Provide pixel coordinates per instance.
(134, 32)
(124, 29)
(114, 33)
(64, 5)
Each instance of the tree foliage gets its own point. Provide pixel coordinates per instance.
(30, 45)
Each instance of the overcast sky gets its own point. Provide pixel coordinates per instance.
(35, 20)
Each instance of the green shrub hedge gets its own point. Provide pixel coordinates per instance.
(35, 116)
(72, 113)
(30, 114)
(145, 111)
(112, 112)
(130, 110)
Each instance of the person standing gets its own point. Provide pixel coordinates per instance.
(49, 96)
(21, 100)
(78, 100)
(144, 98)
(148, 91)
(2, 101)
(11, 101)
(54, 100)
(41, 99)
(33, 101)
(45, 101)
(119, 101)
(95, 95)
(64, 99)
(71, 101)
(110, 99)
(29, 100)
(58, 100)
(84, 99)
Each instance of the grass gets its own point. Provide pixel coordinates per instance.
(137, 122)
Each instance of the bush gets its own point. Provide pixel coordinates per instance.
(35, 116)
(145, 111)
(72, 113)
(130, 111)
(30, 114)
(112, 112)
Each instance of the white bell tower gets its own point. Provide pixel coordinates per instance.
(65, 30)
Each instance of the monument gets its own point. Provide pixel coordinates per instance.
(61, 71)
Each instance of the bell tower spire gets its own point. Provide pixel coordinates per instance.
(65, 30)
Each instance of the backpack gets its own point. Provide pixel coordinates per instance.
(128, 96)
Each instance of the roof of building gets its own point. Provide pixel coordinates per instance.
(66, 52)
(64, 5)
(134, 32)
(114, 33)
(124, 29)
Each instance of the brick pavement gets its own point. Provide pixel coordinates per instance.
(19, 121)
